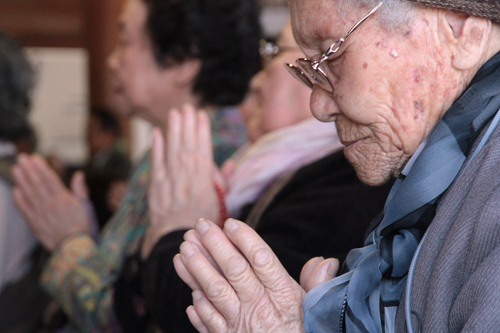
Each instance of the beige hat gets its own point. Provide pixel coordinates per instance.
(489, 9)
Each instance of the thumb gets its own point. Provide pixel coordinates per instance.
(78, 186)
(321, 273)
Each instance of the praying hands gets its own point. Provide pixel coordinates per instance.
(182, 167)
(52, 211)
(238, 283)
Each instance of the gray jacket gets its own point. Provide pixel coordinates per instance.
(456, 286)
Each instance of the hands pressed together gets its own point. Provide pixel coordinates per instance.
(238, 283)
(52, 211)
(182, 182)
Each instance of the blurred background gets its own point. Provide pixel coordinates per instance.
(68, 42)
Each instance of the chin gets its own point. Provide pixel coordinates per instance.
(371, 177)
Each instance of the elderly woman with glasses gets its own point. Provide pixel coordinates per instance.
(414, 89)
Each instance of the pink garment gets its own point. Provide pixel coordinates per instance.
(254, 167)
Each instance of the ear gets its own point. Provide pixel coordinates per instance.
(187, 71)
(468, 37)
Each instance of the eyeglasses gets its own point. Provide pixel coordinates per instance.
(310, 73)
(269, 50)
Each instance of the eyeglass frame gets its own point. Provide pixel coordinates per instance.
(308, 78)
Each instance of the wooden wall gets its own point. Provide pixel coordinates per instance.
(90, 24)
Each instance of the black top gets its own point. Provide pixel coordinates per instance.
(322, 211)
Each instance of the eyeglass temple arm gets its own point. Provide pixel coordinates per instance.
(334, 48)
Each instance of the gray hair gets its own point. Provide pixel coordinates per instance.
(16, 82)
(393, 15)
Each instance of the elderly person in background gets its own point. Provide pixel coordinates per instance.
(292, 184)
(16, 81)
(169, 53)
(414, 89)
(20, 298)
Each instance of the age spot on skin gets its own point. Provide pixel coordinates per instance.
(419, 109)
(416, 77)
(365, 65)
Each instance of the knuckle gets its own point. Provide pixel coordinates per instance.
(218, 289)
(262, 258)
(237, 266)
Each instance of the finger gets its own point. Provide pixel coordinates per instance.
(78, 186)
(191, 236)
(321, 273)
(204, 158)
(29, 180)
(211, 319)
(306, 270)
(196, 320)
(172, 146)
(48, 177)
(233, 264)
(214, 285)
(185, 184)
(268, 269)
(158, 156)
(184, 273)
(189, 128)
(23, 185)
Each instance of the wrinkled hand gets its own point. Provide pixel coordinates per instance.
(239, 284)
(51, 210)
(317, 271)
(182, 182)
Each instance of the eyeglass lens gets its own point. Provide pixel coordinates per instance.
(298, 74)
(315, 76)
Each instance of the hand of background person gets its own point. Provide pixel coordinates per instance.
(317, 271)
(238, 283)
(182, 180)
(52, 211)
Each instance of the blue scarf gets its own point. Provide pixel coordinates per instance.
(366, 297)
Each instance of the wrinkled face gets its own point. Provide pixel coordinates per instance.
(390, 88)
(139, 83)
(275, 99)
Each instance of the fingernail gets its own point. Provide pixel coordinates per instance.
(231, 225)
(202, 226)
(187, 249)
(333, 268)
(197, 295)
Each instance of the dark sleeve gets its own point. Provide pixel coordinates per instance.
(323, 211)
(166, 295)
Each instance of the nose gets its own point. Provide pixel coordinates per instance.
(322, 104)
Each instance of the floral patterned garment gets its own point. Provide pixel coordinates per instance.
(81, 272)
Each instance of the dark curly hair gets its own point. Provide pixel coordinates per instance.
(223, 34)
(16, 82)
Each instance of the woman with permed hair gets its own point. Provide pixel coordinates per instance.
(170, 52)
